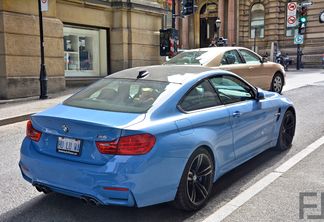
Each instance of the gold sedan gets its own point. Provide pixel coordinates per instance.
(242, 61)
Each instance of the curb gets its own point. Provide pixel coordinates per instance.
(15, 119)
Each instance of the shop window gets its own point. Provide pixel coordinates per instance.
(257, 21)
(85, 51)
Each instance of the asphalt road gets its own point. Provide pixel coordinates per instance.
(21, 202)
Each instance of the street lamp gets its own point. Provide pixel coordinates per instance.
(218, 24)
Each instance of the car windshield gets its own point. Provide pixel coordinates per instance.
(119, 95)
(189, 58)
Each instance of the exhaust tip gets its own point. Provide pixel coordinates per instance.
(84, 200)
(43, 189)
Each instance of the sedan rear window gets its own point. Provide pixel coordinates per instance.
(119, 95)
(188, 58)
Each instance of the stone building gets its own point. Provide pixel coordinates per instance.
(84, 40)
(253, 24)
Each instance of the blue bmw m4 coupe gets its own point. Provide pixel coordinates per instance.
(154, 134)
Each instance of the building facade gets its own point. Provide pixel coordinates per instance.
(255, 24)
(84, 40)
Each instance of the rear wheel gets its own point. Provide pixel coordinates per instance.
(196, 182)
(277, 83)
(287, 131)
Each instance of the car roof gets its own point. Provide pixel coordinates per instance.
(165, 73)
(216, 49)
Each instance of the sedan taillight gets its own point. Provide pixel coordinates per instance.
(32, 133)
(128, 145)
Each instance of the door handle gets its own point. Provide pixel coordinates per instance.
(251, 67)
(236, 114)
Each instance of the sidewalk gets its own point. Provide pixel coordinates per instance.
(16, 110)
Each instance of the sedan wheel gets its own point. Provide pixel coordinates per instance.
(287, 131)
(277, 83)
(196, 181)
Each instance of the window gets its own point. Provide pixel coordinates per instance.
(250, 57)
(85, 51)
(200, 97)
(188, 58)
(119, 95)
(231, 89)
(257, 21)
(231, 57)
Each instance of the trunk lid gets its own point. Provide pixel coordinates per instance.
(71, 125)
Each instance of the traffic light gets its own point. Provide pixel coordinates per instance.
(187, 7)
(164, 42)
(302, 21)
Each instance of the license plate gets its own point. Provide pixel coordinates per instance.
(69, 146)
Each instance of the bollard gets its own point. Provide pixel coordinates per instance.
(323, 61)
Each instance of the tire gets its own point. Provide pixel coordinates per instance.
(287, 131)
(196, 182)
(277, 83)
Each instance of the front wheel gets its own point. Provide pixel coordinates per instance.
(287, 131)
(277, 83)
(196, 181)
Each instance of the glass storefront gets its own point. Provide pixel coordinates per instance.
(85, 51)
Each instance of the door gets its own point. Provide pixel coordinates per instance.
(252, 121)
(256, 72)
(210, 121)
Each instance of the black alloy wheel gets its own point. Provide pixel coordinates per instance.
(196, 182)
(287, 131)
(277, 83)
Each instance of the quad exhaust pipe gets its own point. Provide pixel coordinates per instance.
(90, 200)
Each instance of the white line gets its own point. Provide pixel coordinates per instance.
(246, 195)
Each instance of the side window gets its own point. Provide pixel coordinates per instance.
(231, 57)
(231, 89)
(249, 57)
(200, 97)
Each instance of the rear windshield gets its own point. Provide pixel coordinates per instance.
(118, 95)
(188, 58)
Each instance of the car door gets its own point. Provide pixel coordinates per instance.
(256, 71)
(210, 121)
(252, 121)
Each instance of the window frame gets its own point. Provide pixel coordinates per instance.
(202, 109)
(244, 60)
(252, 88)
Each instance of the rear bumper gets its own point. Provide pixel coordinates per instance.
(140, 179)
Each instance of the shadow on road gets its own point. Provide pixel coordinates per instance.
(57, 207)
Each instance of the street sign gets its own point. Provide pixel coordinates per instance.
(299, 39)
(44, 5)
(321, 18)
(292, 14)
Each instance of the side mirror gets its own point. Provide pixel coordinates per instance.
(260, 95)
(264, 59)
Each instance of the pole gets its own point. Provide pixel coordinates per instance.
(173, 14)
(255, 34)
(42, 74)
(298, 57)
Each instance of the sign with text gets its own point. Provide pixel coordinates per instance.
(291, 14)
(44, 5)
(299, 39)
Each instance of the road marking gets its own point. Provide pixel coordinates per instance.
(253, 190)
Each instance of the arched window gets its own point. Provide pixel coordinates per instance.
(257, 21)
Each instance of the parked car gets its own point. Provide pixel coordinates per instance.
(242, 61)
(155, 134)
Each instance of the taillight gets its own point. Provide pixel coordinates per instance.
(32, 133)
(128, 145)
